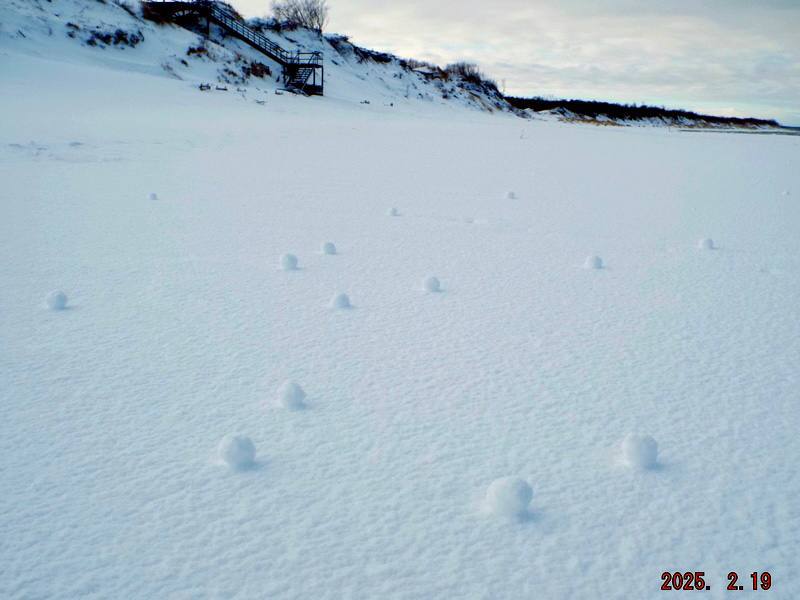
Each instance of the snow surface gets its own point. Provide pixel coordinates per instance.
(180, 326)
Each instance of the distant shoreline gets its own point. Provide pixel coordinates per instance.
(781, 131)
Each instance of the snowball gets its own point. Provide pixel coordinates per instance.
(236, 451)
(288, 262)
(639, 451)
(328, 248)
(432, 284)
(153, 196)
(340, 301)
(593, 262)
(509, 497)
(706, 244)
(392, 212)
(786, 192)
(511, 196)
(291, 396)
(57, 300)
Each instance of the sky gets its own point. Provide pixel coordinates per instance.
(727, 57)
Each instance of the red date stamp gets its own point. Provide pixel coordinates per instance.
(696, 580)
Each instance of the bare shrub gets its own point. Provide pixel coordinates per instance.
(312, 14)
(470, 73)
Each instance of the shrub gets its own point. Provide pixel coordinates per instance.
(256, 69)
(470, 73)
(629, 112)
(119, 37)
(312, 14)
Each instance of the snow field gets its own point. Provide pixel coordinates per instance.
(530, 369)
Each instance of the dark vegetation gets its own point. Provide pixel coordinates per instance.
(119, 37)
(256, 69)
(592, 110)
(312, 14)
(470, 73)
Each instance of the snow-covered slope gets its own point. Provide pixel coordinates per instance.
(113, 35)
(470, 442)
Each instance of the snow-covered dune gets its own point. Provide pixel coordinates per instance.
(188, 414)
(114, 36)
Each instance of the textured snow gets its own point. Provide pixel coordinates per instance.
(182, 328)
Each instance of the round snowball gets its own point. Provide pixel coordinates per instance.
(288, 262)
(153, 196)
(393, 212)
(237, 451)
(340, 301)
(328, 248)
(291, 396)
(593, 262)
(509, 497)
(432, 284)
(57, 300)
(706, 244)
(639, 451)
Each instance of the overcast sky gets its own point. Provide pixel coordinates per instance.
(731, 57)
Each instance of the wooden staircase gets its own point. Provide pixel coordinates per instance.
(302, 71)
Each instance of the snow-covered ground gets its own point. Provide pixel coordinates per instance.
(393, 439)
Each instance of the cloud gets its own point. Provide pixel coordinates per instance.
(740, 55)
